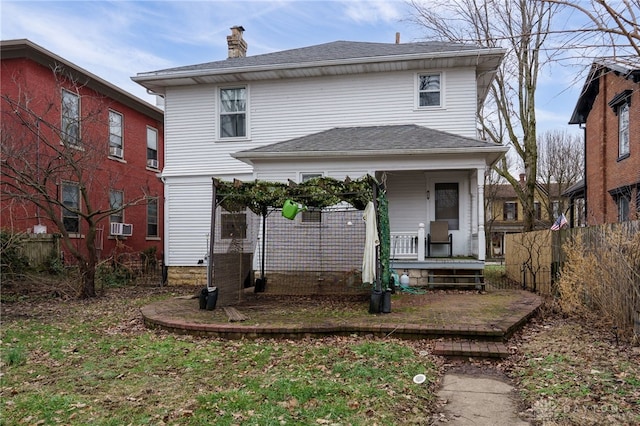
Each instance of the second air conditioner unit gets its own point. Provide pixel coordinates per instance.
(124, 229)
(152, 163)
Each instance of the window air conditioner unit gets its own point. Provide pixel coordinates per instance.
(124, 229)
(114, 151)
(152, 163)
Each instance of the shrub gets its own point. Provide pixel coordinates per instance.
(13, 261)
(601, 276)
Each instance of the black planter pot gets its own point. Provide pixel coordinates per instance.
(375, 302)
(386, 302)
(203, 298)
(212, 299)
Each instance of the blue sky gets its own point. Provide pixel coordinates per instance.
(118, 39)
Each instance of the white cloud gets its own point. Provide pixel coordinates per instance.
(372, 11)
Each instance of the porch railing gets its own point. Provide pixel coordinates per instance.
(408, 245)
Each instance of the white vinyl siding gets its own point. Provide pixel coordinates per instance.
(282, 110)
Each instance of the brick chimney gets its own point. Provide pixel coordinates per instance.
(523, 178)
(237, 46)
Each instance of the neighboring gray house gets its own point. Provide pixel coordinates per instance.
(404, 113)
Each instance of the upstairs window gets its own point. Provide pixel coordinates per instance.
(152, 148)
(448, 204)
(537, 210)
(429, 90)
(620, 105)
(510, 211)
(70, 123)
(623, 130)
(116, 201)
(115, 134)
(71, 202)
(233, 112)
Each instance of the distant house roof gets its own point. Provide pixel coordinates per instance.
(626, 67)
(577, 190)
(335, 58)
(23, 48)
(378, 140)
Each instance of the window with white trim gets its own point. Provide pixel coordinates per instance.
(116, 201)
(312, 215)
(152, 148)
(115, 134)
(233, 112)
(71, 202)
(429, 90)
(623, 129)
(70, 123)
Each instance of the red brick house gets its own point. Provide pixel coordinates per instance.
(609, 111)
(51, 107)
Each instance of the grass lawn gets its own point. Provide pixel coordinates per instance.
(93, 362)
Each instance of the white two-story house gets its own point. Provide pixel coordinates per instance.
(402, 112)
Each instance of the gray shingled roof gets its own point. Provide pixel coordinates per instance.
(337, 50)
(400, 138)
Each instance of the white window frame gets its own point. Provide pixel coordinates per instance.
(222, 112)
(68, 214)
(70, 116)
(313, 216)
(116, 130)
(623, 129)
(115, 203)
(151, 218)
(440, 90)
(152, 144)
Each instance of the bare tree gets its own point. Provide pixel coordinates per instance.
(42, 156)
(616, 21)
(508, 116)
(560, 165)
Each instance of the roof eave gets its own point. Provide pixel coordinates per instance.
(170, 75)
(249, 155)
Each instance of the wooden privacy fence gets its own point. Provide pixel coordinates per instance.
(534, 259)
(40, 248)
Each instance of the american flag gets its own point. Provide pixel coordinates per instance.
(560, 222)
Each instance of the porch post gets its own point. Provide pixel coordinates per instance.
(482, 246)
(421, 242)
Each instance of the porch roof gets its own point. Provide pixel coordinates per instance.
(408, 139)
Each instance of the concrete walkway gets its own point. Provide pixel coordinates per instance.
(478, 400)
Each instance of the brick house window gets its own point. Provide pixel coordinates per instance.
(116, 201)
(152, 217)
(233, 112)
(71, 202)
(623, 130)
(622, 203)
(620, 105)
(115, 134)
(152, 148)
(429, 90)
(70, 123)
(510, 211)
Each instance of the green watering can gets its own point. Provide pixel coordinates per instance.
(291, 209)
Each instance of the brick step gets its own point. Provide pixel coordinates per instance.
(469, 348)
